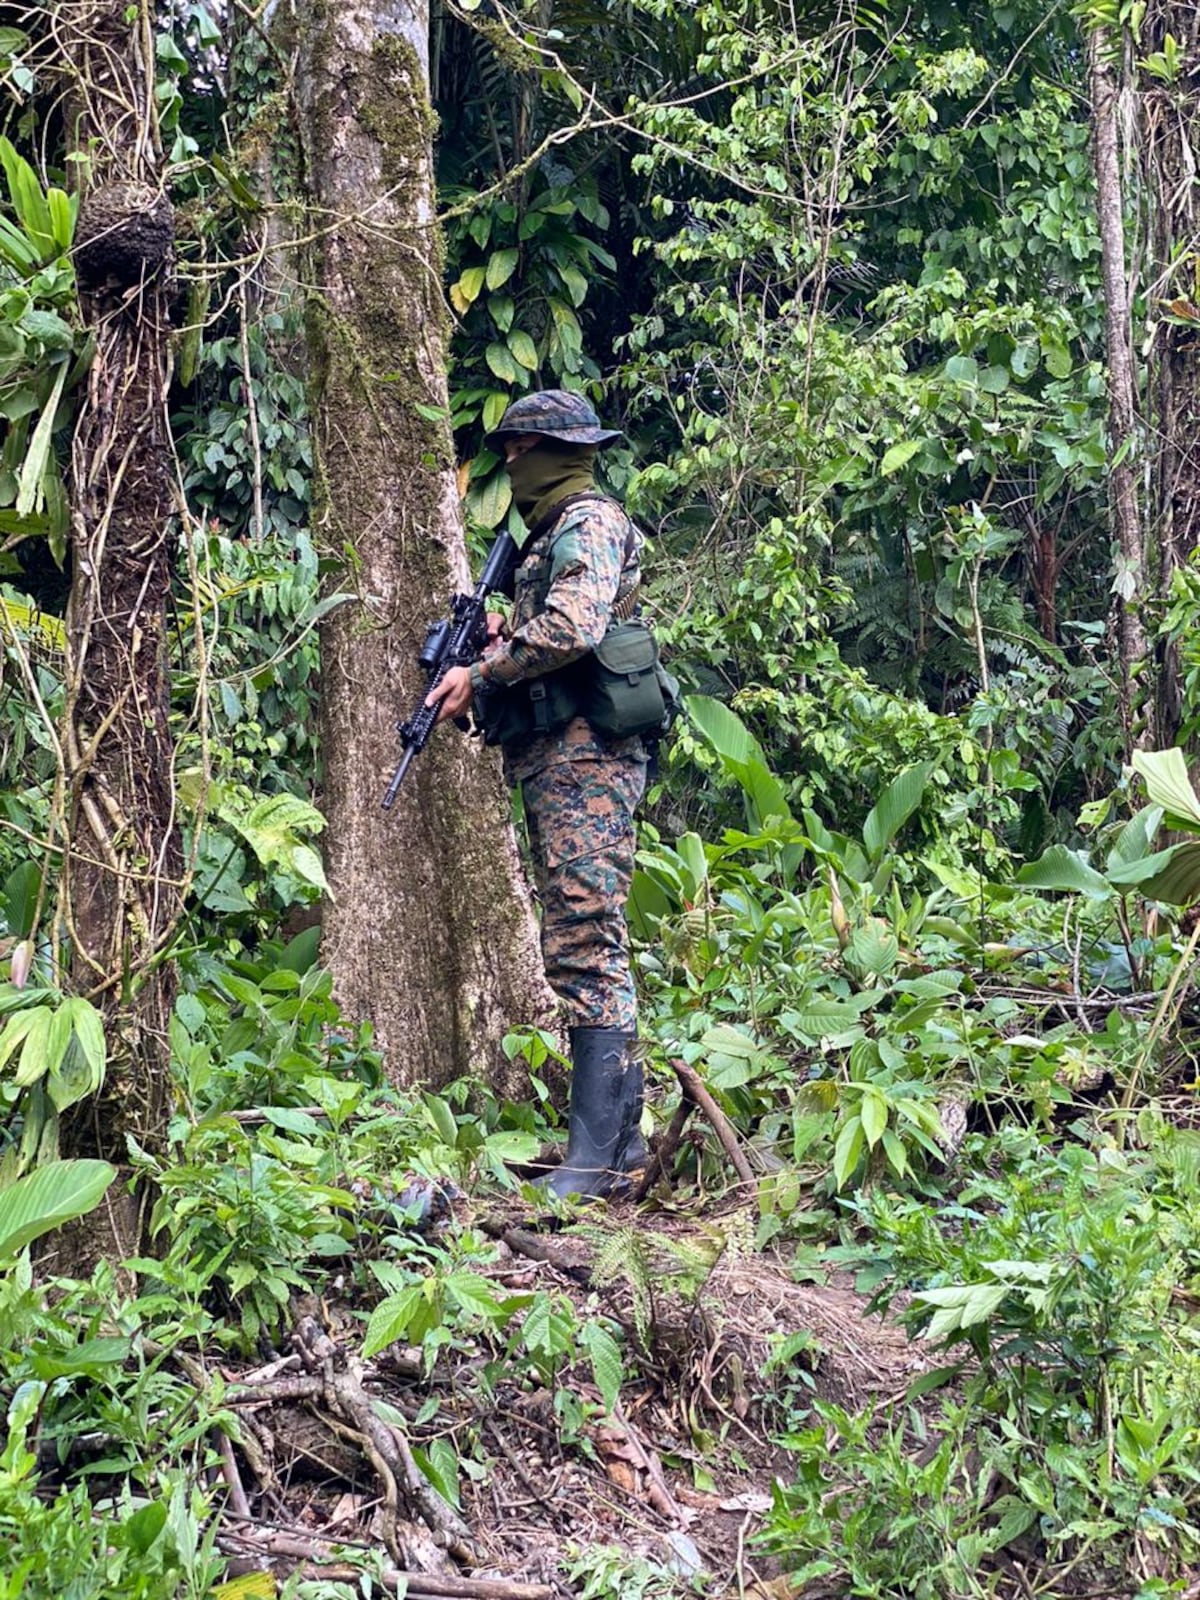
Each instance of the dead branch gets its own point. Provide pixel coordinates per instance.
(418, 1585)
(383, 1442)
(695, 1091)
(657, 1165)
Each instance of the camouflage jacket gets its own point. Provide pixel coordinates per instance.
(569, 581)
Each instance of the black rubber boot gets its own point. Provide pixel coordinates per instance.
(603, 1138)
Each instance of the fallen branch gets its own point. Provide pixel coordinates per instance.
(383, 1442)
(288, 1388)
(418, 1585)
(233, 1478)
(695, 1091)
(656, 1167)
(537, 1247)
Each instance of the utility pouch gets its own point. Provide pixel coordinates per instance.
(626, 691)
(527, 710)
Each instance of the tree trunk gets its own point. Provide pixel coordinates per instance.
(121, 881)
(1137, 710)
(428, 929)
(1169, 127)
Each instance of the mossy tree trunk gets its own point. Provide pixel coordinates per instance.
(1169, 117)
(121, 881)
(1124, 434)
(428, 929)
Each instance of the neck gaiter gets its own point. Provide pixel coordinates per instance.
(549, 473)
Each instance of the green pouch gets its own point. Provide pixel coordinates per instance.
(626, 692)
(527, 710)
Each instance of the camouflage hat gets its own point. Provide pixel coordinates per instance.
(556, 413)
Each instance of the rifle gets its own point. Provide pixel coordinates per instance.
(454, 641)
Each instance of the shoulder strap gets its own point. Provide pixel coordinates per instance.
(595, 496)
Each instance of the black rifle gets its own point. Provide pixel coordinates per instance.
(454, 641)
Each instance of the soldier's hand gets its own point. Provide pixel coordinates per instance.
(452, 695)
(495, 631)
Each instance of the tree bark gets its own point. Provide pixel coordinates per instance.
(121, 886)
(1137, 709)
(1169, 143)
(428, 929)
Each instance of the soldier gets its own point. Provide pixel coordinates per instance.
(578, 572)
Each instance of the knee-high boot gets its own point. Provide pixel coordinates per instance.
(603, 1137)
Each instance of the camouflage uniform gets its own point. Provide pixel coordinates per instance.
(579, 790)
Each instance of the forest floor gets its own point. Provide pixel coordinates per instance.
(677, 1477)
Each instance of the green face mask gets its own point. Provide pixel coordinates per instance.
(549, 473)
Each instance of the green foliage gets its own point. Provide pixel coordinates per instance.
(243, 1216)
(145, 1548)
(42, 354)
(56, 1193)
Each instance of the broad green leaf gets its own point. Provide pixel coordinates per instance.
(271, 827)
(847, 1150)
(48, 1197)
(1167, 783)
(501, 363)
(873, 950)
(27, 198)
(494, 408)
(549, 1326)
(1056, 356)
(893, 1148)
(34, 1062)
(898, 455)
(566, 325)
(741, 754)
(18, 1028)
(440, 1465)
(894, 807)
(604, 1353)
(961, 1306)
(1172, 875)
(1134, 841)
(17, 249)
(21, 889)
(392, 1318)
(31, 489)
(523, 349)
(874, 1114)
(500, 268)
(489, 500)
(575, 284)
(822, 1019)
(141, 1529)
(88, 1027)
(442, 1118)
(511, 1145)
(473, 1294)
(14, 999)
(304, 863)
(465, 292)
(49, 329)
(291, 1119)
(71, 1079)
(1061, 869)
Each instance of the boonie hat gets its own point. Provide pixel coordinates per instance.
(558, 414)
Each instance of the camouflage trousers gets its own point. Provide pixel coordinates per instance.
(581, 832)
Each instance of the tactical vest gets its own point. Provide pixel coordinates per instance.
(620, 687)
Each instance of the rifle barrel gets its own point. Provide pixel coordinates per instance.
(393, 788)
